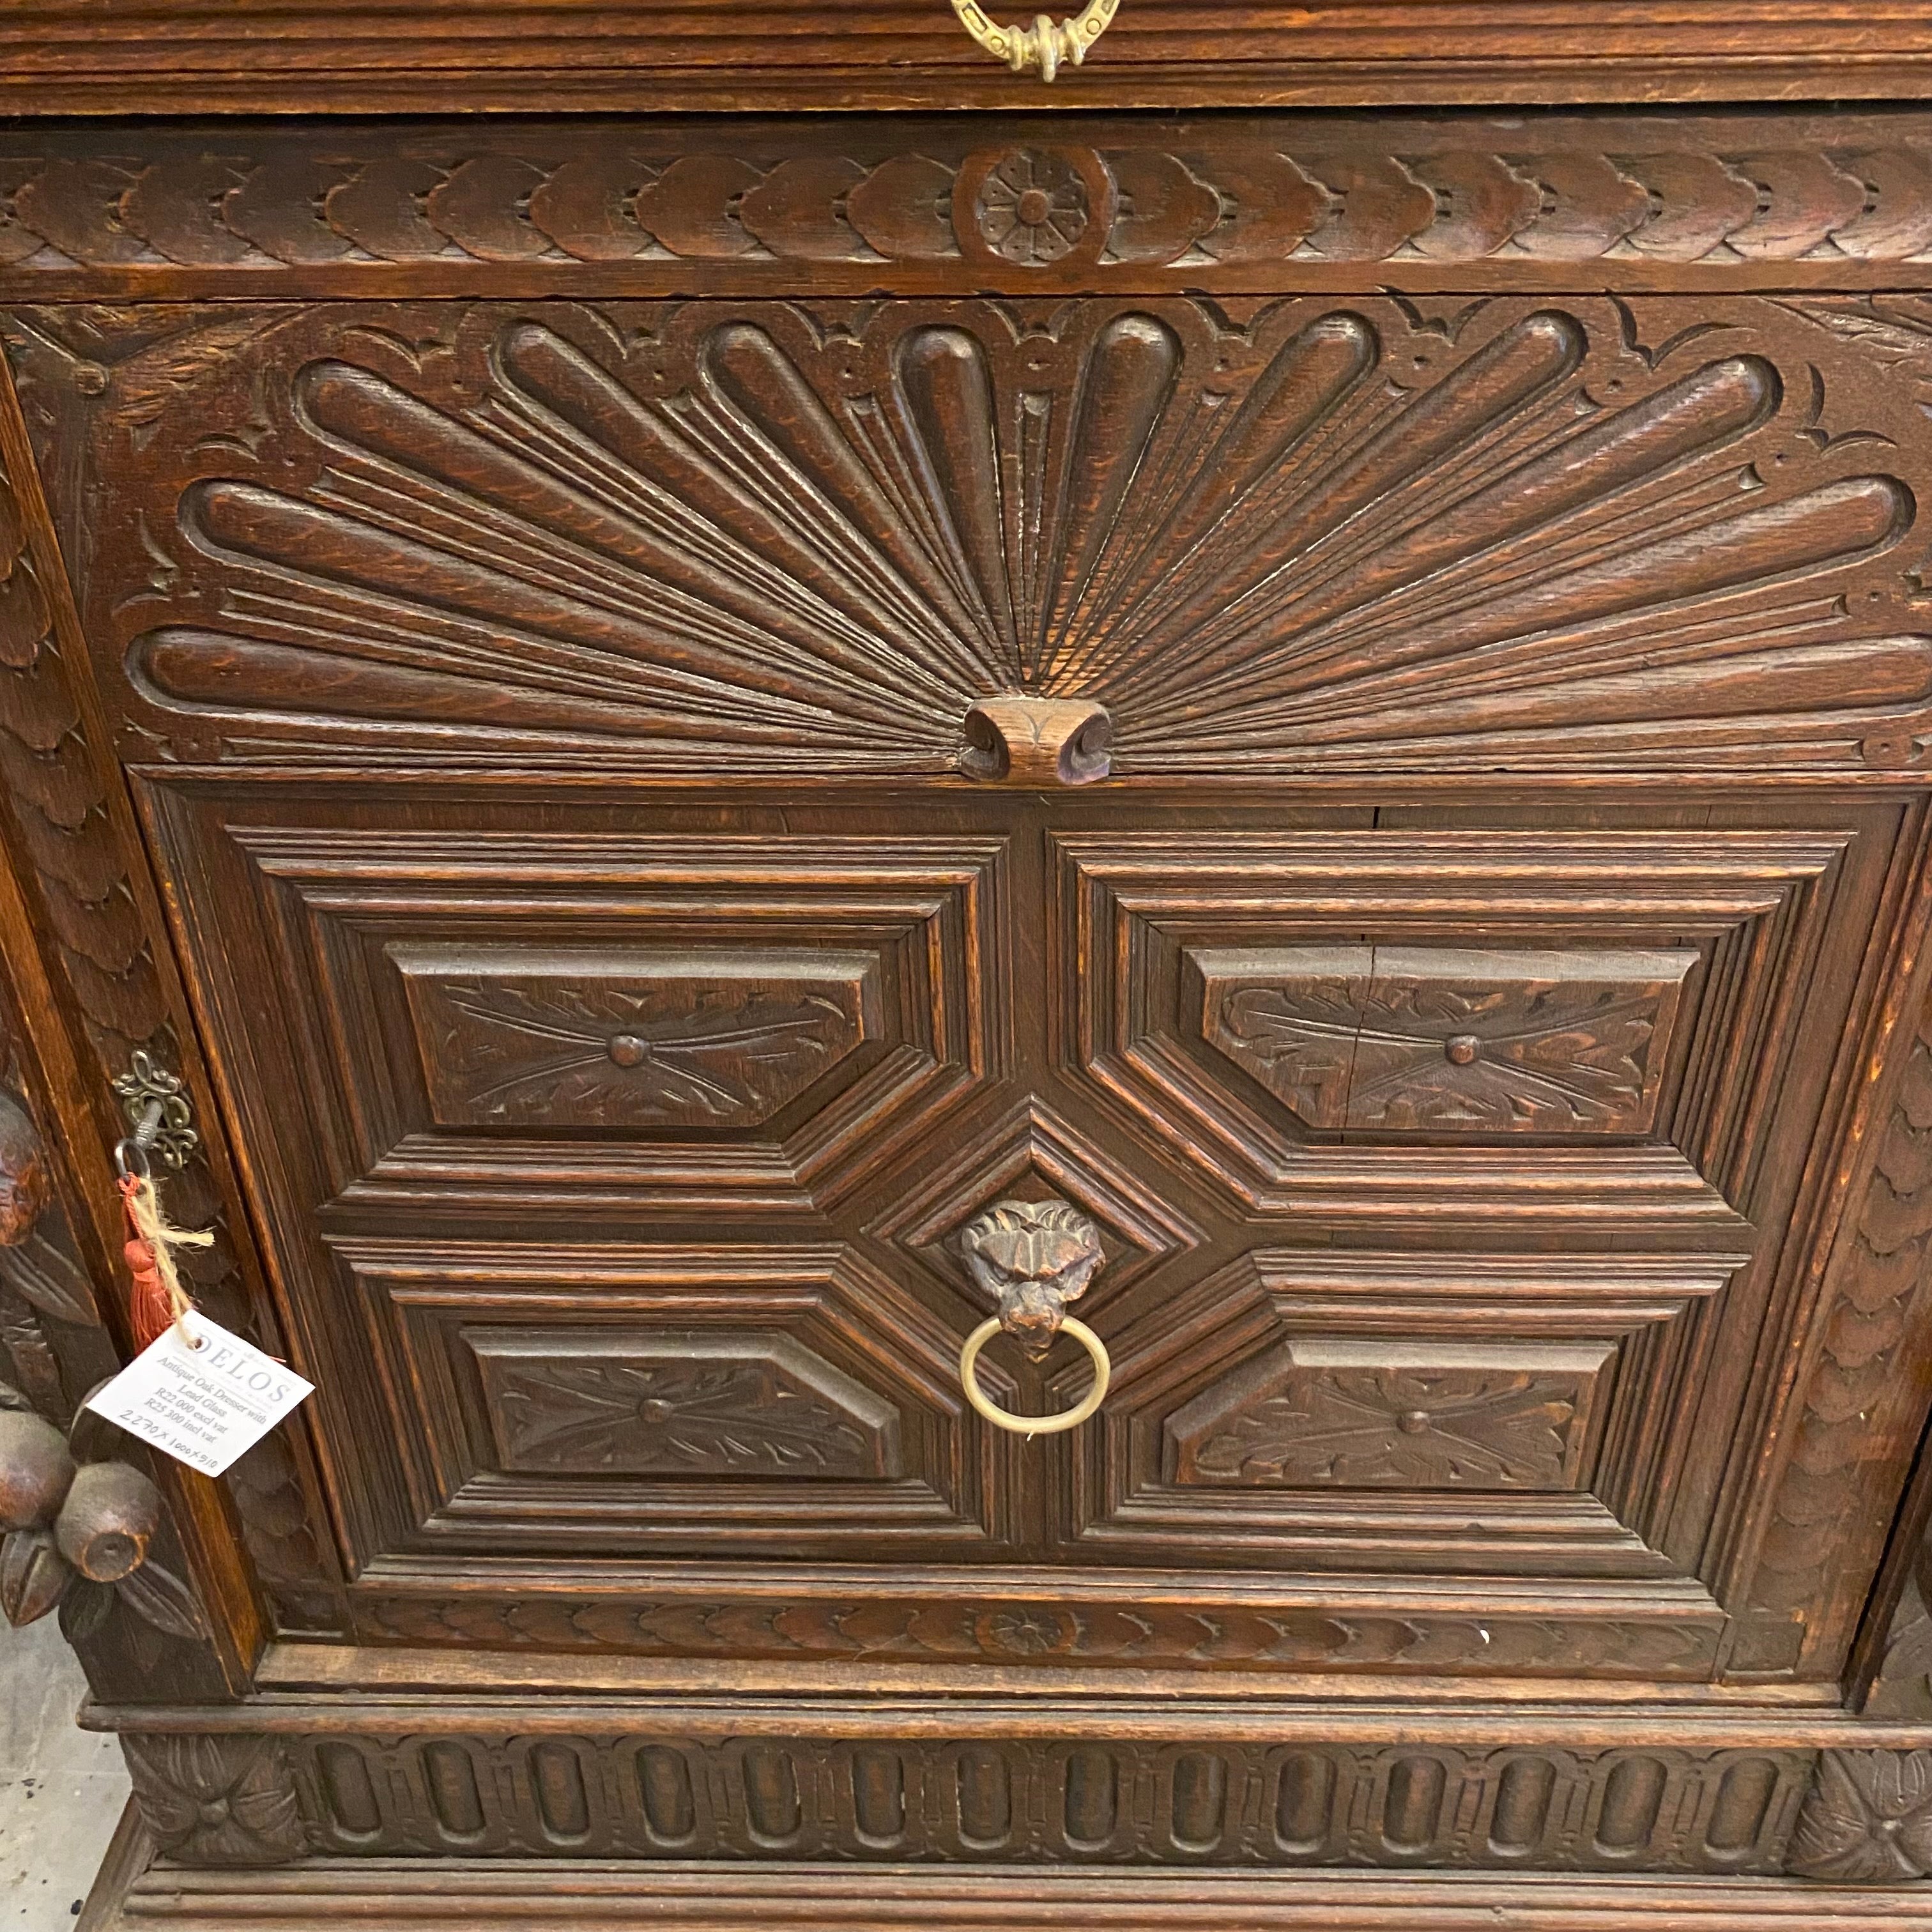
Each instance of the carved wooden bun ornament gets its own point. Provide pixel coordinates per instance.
(1045, 46)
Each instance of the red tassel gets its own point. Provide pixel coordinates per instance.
(152, 1311)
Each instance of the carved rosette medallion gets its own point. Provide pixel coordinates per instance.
(1868, 1819)
(1033, 208)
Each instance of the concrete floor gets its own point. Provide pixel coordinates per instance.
(61, 1789)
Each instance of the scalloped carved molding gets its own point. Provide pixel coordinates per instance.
(936, 201)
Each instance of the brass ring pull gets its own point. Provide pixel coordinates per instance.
(1036, 1425)
(1045, 47)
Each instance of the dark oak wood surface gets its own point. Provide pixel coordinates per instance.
(726, 747)
(184, 57)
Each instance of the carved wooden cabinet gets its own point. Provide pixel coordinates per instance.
(728, 752)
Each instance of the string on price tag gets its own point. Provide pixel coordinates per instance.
(160, 1301)
(195, 1392)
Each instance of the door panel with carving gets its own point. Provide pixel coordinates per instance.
(720, 844)
(704, 1298)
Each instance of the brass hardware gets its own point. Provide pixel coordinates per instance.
(1034, 1257)
(1047, 45)
(157, 1107)
(1035, 1425)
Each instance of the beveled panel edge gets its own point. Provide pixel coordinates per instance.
(314, 1685)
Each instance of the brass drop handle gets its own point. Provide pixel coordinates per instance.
(1035, 1425)
(1032, 1257)
(1046, 46)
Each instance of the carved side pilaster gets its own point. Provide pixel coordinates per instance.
(1881, 1284)
(88, 982)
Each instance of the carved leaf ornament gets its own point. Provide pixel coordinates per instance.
(1413, 1428)
(1321, 538)
(621, 1055)
(708, 1415)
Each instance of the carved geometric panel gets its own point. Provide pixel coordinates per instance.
(1304, 1017)
(543, 1398)
(482, 1017)
(1387, 1037)
(634, 1404)
(1030, 1153)
(1391, 1412)
(1323, 1411)
(555, 1039)
(1315, 537)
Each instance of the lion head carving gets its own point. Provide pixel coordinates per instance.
(1033, 1257)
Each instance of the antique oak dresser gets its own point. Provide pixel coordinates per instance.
(1057, 932)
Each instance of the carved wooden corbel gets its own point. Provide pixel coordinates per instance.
(1037, 741)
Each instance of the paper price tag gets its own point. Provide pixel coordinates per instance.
(204, 1405)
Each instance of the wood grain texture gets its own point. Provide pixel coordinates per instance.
(1310, 538)
(657, 55)
(453, 1894)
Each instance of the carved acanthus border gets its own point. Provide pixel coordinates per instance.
(57, 781)
(1884, 1286)
(1662, 1639)
(345, 207)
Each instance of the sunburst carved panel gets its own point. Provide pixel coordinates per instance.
(1287, 536)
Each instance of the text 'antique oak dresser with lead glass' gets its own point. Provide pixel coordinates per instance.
(1056, 932)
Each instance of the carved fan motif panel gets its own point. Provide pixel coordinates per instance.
(1270, 537)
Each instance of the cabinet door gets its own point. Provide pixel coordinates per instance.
(631, 1181)
(704, 833)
